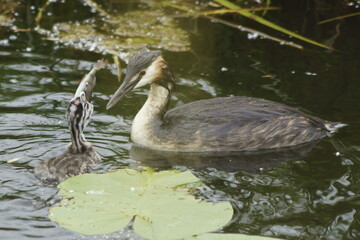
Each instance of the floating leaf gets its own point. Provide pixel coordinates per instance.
(97, 8)
(159, 201)
(7, 7)
(4, 20)
(123, 33)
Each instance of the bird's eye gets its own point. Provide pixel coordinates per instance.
(83, 97)
(142, 73)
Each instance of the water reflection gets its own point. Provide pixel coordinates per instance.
(300, 194)
(291, 201)
(222, 161)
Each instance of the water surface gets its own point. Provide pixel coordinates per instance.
(309, 194)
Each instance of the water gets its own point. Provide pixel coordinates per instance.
(310, 194)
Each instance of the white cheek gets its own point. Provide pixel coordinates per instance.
(73, 108)
(151, 72)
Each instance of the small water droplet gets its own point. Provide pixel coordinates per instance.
(350, 193)
(252, 36)
(347, 162)
(310, 73)
(233, 185)
(4, 42)
(13, 37)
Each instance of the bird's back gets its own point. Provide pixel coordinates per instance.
(237, 123)
(67, 165)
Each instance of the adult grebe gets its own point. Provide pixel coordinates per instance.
(218, 124)
(79, 156)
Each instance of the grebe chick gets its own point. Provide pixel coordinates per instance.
(218, 124)
(79, 156)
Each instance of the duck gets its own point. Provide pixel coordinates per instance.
(79, 156)
(234, 123)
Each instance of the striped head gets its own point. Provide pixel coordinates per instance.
(79, 112)
(78, 116)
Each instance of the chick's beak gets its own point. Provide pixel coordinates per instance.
(126, 87)
(86, 86)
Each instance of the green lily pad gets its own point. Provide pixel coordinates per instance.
(160, 202)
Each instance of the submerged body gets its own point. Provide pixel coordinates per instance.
(67, 165)
(218, 124)
(79, 156)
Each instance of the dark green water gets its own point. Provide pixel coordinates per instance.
(313, 193)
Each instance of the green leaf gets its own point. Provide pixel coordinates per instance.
(339, 17)
(160, 201)
(267, 23)
(226, 236)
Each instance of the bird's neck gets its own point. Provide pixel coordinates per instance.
(155, 106)
(149, 119)
(78, 141)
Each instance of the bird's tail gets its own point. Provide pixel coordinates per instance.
(333, 127)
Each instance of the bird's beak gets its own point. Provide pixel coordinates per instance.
(126, 87)
(86, 86)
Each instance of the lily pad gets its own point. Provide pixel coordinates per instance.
(159, 202)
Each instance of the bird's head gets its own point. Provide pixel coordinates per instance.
(80, 107)
(145, 67)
